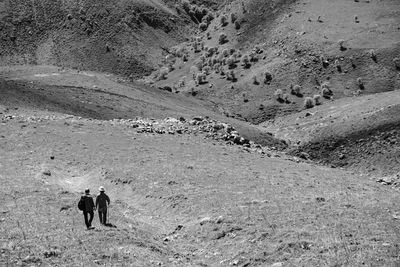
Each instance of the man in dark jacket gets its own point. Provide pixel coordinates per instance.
(102, 201)
(89, 208)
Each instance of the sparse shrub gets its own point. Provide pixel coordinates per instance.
(295, 90)
(208, 18)
(182, 82)
(217, 67)
(244, 8)
(233, 17)
(225, 52)
(203, 26)
(285, 98)
(278, 95)
(255, 80)
(163, 73)
(222, 71)
(373, 55)
(253, 56)
(338, 66)
(396, 62)
(309, 102)
(222, 38)
(237, 25)
(185, 57)
(267, 77)
(326, 92)
(207, 70)
(231, 76)
(214, 60)
(257, 49)
(360, 83)
(231, 62)
(224, 20)
(325, 85)
(245, 61)
(193, 71)
(200, 78)
(196, 47)
(317, 99)
(325, 62)
(342, 45)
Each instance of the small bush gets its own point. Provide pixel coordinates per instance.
(182, 82)
(338, 66)
(267, 77)
(278, 95)
(231, 76)
(200, 78)
(217, 67)
(237, 25)
(308, 102)
(285, 97)
(325, 85)
(253, 56)
(373, 55)
(224, 20)
(203, 26)
(326, 92)
(342, 45)
(231, 62)
(163, 73)
(317, 99)
(245, 61)
(233, 17)
(185, 57)
(222, 38)
(207, 70)
(396, 62)
(225, 52)
(255, 80)
(295, 90)
(360, 83)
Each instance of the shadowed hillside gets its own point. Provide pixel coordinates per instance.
(122, 37)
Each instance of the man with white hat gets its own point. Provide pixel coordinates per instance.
(102, 201)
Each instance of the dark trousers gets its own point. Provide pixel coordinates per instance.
(103, 216)
(88, 221)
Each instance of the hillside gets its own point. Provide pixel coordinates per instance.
(289, 43)
(179, 200)
(120, 37)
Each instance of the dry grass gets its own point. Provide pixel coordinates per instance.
(272, 210)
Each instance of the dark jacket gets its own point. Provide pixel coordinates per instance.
(102, 200)
(89, 203)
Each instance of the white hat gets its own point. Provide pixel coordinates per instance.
(101, 189)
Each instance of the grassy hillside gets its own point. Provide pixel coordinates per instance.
(121, 37)
(347, 44)
(180, 200)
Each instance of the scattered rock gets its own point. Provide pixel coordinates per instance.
(320, 199)
(205, 220)
(66, 207)
(277, 264)
(51, 253)
(46, 172)
(220, 219)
